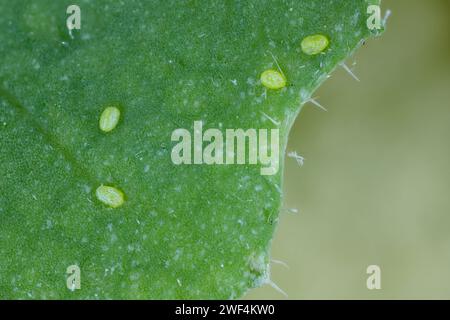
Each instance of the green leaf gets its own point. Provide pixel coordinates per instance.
(182, 231)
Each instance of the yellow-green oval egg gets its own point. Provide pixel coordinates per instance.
(109, 119)
(314, 44)
(273, 79)
(110, 196)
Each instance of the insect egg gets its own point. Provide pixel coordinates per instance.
(273, 79)
(110, 196)
(109, 119)
(314, 44)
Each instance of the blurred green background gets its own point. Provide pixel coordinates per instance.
(375, 187)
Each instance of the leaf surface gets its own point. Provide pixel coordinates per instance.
(186, 231)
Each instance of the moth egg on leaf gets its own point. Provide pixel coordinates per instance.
(273, 79)
(110, 196)
(109, 119)
(314, 44)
